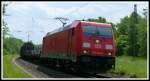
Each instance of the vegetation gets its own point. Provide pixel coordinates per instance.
(131, 43)
(5, 29)
(131, 66)
(11, 45)
(130, 34)
(10, 70)
(99, 19)
(127, 32)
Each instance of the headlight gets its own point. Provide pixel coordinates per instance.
(84, 51)
(86, 44)
(108, 46)
(97, 41)
(109, 53)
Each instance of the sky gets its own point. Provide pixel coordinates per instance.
(36, 19)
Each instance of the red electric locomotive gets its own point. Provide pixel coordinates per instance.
(86, 45)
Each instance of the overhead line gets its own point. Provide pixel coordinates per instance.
(77, 9)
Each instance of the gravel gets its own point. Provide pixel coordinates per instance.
(39, 71)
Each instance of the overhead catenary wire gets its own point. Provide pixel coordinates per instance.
(76, 10)
(33, 21)
(63, 19)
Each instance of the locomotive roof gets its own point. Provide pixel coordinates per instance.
(74, 24)
(95, 23)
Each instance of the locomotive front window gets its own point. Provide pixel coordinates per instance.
(105, 32)
(89, 31)
(93, 31)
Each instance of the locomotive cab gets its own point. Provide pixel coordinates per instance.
(97, 45)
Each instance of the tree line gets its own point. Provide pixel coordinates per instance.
(130, 34)
(11, 45)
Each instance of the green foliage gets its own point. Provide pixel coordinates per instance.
(11, 45)
(38, 46)
(99, 19)
(122, 44)
(131, 36)
(142, 37)
(123, 26)
(122, 36)
(131, 66)
(10, 70)
(5, 29)
(5, 52)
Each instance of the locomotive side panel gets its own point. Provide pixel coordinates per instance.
(60, 45)
(78, 40)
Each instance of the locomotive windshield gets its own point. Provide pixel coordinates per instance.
(106, 32)
(89, 31)
(92, 31)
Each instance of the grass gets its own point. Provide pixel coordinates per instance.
(10, 70)
(134, 67)
(125, 65)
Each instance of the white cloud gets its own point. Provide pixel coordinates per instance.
(43, 14)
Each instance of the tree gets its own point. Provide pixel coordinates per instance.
(145, 12)
(12, 45)
(142, 36)
(99, 19)
(130, 34)
(5, 30)
(122, 36)
(122, 45)
(123, 26)
(133, 34)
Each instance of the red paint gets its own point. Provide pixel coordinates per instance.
(63, 42)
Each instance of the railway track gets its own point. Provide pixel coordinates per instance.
(40, 71)
(46, 71)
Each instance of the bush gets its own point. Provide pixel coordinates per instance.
(12, 45)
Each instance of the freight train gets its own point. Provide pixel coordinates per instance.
(82, 45)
